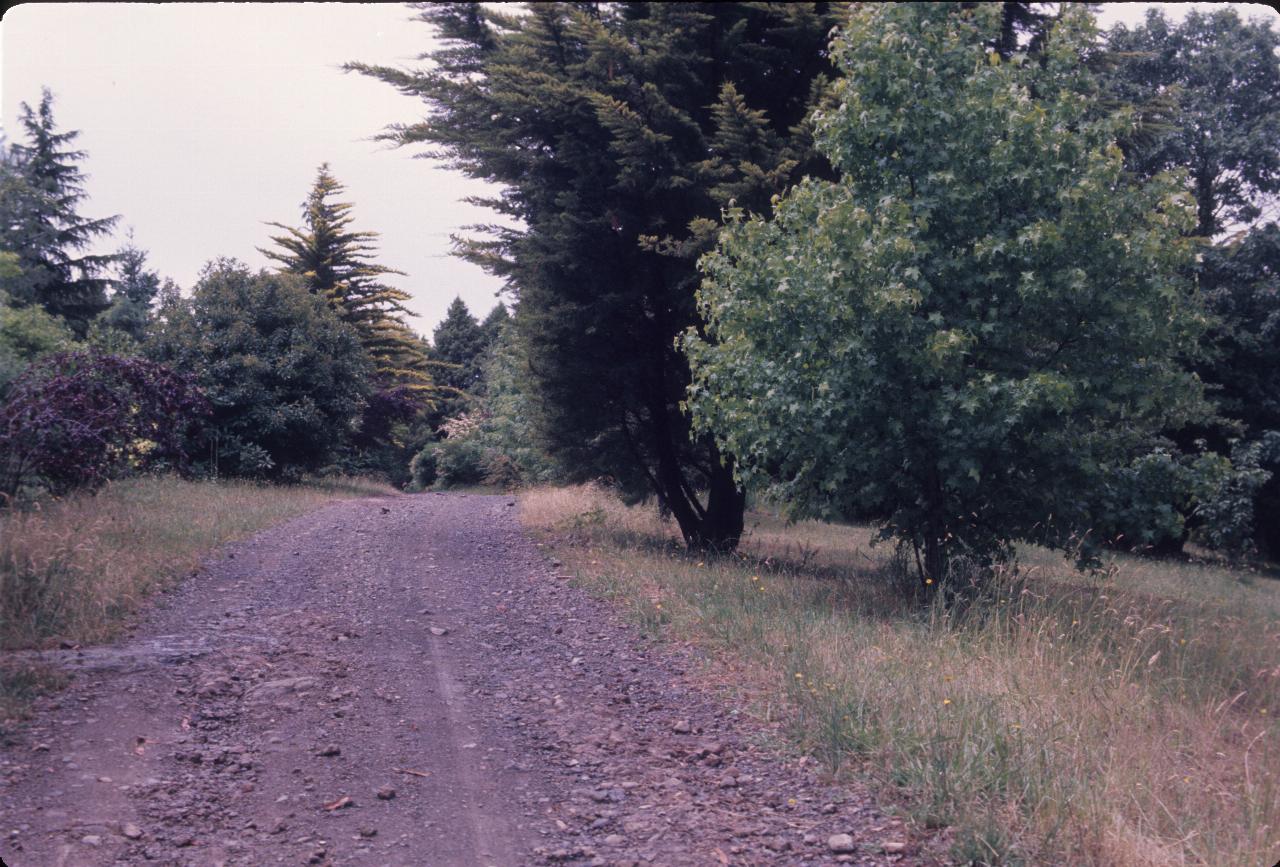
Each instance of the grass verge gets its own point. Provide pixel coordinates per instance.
(1125, 719)
(74, 569)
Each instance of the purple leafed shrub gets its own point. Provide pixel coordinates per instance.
(72, 420)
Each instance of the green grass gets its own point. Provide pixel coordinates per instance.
(1119, 719)
(74, 569)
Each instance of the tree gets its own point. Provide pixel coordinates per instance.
(1218, 81)
(40, 193)
(288, 380)
(1242, 284)
(978, 323)
(459, 341)
(336, 263)
(1222, 78)
(136, 288)
(494, 323)
(618, 132)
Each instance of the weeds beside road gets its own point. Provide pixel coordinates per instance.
(1122, 719)
(73, 570)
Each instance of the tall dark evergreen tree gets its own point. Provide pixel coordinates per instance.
(336, 262)
(619, 132)
(494, 323)
(40, 197)
(459, 341)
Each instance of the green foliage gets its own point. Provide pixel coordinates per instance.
(459, 342)
(41, 189)
(136, 289)
(616, 132)
(967, 334)
(336, 263)
(287, 379)
(1219, 78)
(1242, 284)
(494, 443)
(28, 334)
(1216, 83)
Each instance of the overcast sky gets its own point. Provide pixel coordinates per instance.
(202, 121)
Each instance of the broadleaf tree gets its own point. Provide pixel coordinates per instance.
(617, 133)
(967, 331)
(1218, 77)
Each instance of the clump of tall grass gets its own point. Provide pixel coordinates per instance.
(1114, 719)
(72, 569)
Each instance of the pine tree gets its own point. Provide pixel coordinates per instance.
(136, 288)
(494, 323)
(42, 190)
(459, 342)
(619, 131)
(336, 263)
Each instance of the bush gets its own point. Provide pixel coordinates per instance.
(422, 469)
(287, 379)
(75, 419)
(460, 462)
(28, 334)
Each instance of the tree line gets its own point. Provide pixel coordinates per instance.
(977, 273)
(105, 368)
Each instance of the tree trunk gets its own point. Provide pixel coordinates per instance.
(721, 526)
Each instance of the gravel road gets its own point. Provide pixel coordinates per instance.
(405, 681)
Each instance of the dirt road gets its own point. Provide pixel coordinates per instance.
(405, 681)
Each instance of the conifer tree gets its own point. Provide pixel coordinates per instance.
(619, 132)
(42, 189)
(460, 342)
(336, 262)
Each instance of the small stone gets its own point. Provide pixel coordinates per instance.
(368, 832)
(329, 751)
(439, 630)
(682, 727)
(840, 843)
(893, 847)
(132, 831)
(614, 840)
(91, 840)
(386, 793)
(828, 809)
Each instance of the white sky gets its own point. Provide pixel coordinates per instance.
(202, 121)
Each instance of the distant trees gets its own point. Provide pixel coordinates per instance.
(41, 189)
(1215, 81)
(287, 379)
(618, 132)
(336, 262)
(1219, 78)
(965, 334)
(459, 342)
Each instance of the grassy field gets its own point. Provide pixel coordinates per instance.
(74, 569)
(1124, 718)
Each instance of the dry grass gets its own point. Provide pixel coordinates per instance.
(1122, 719)
(72, 569)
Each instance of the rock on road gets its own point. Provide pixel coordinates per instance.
(404, 681)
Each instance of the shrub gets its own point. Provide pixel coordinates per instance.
(74, 419)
